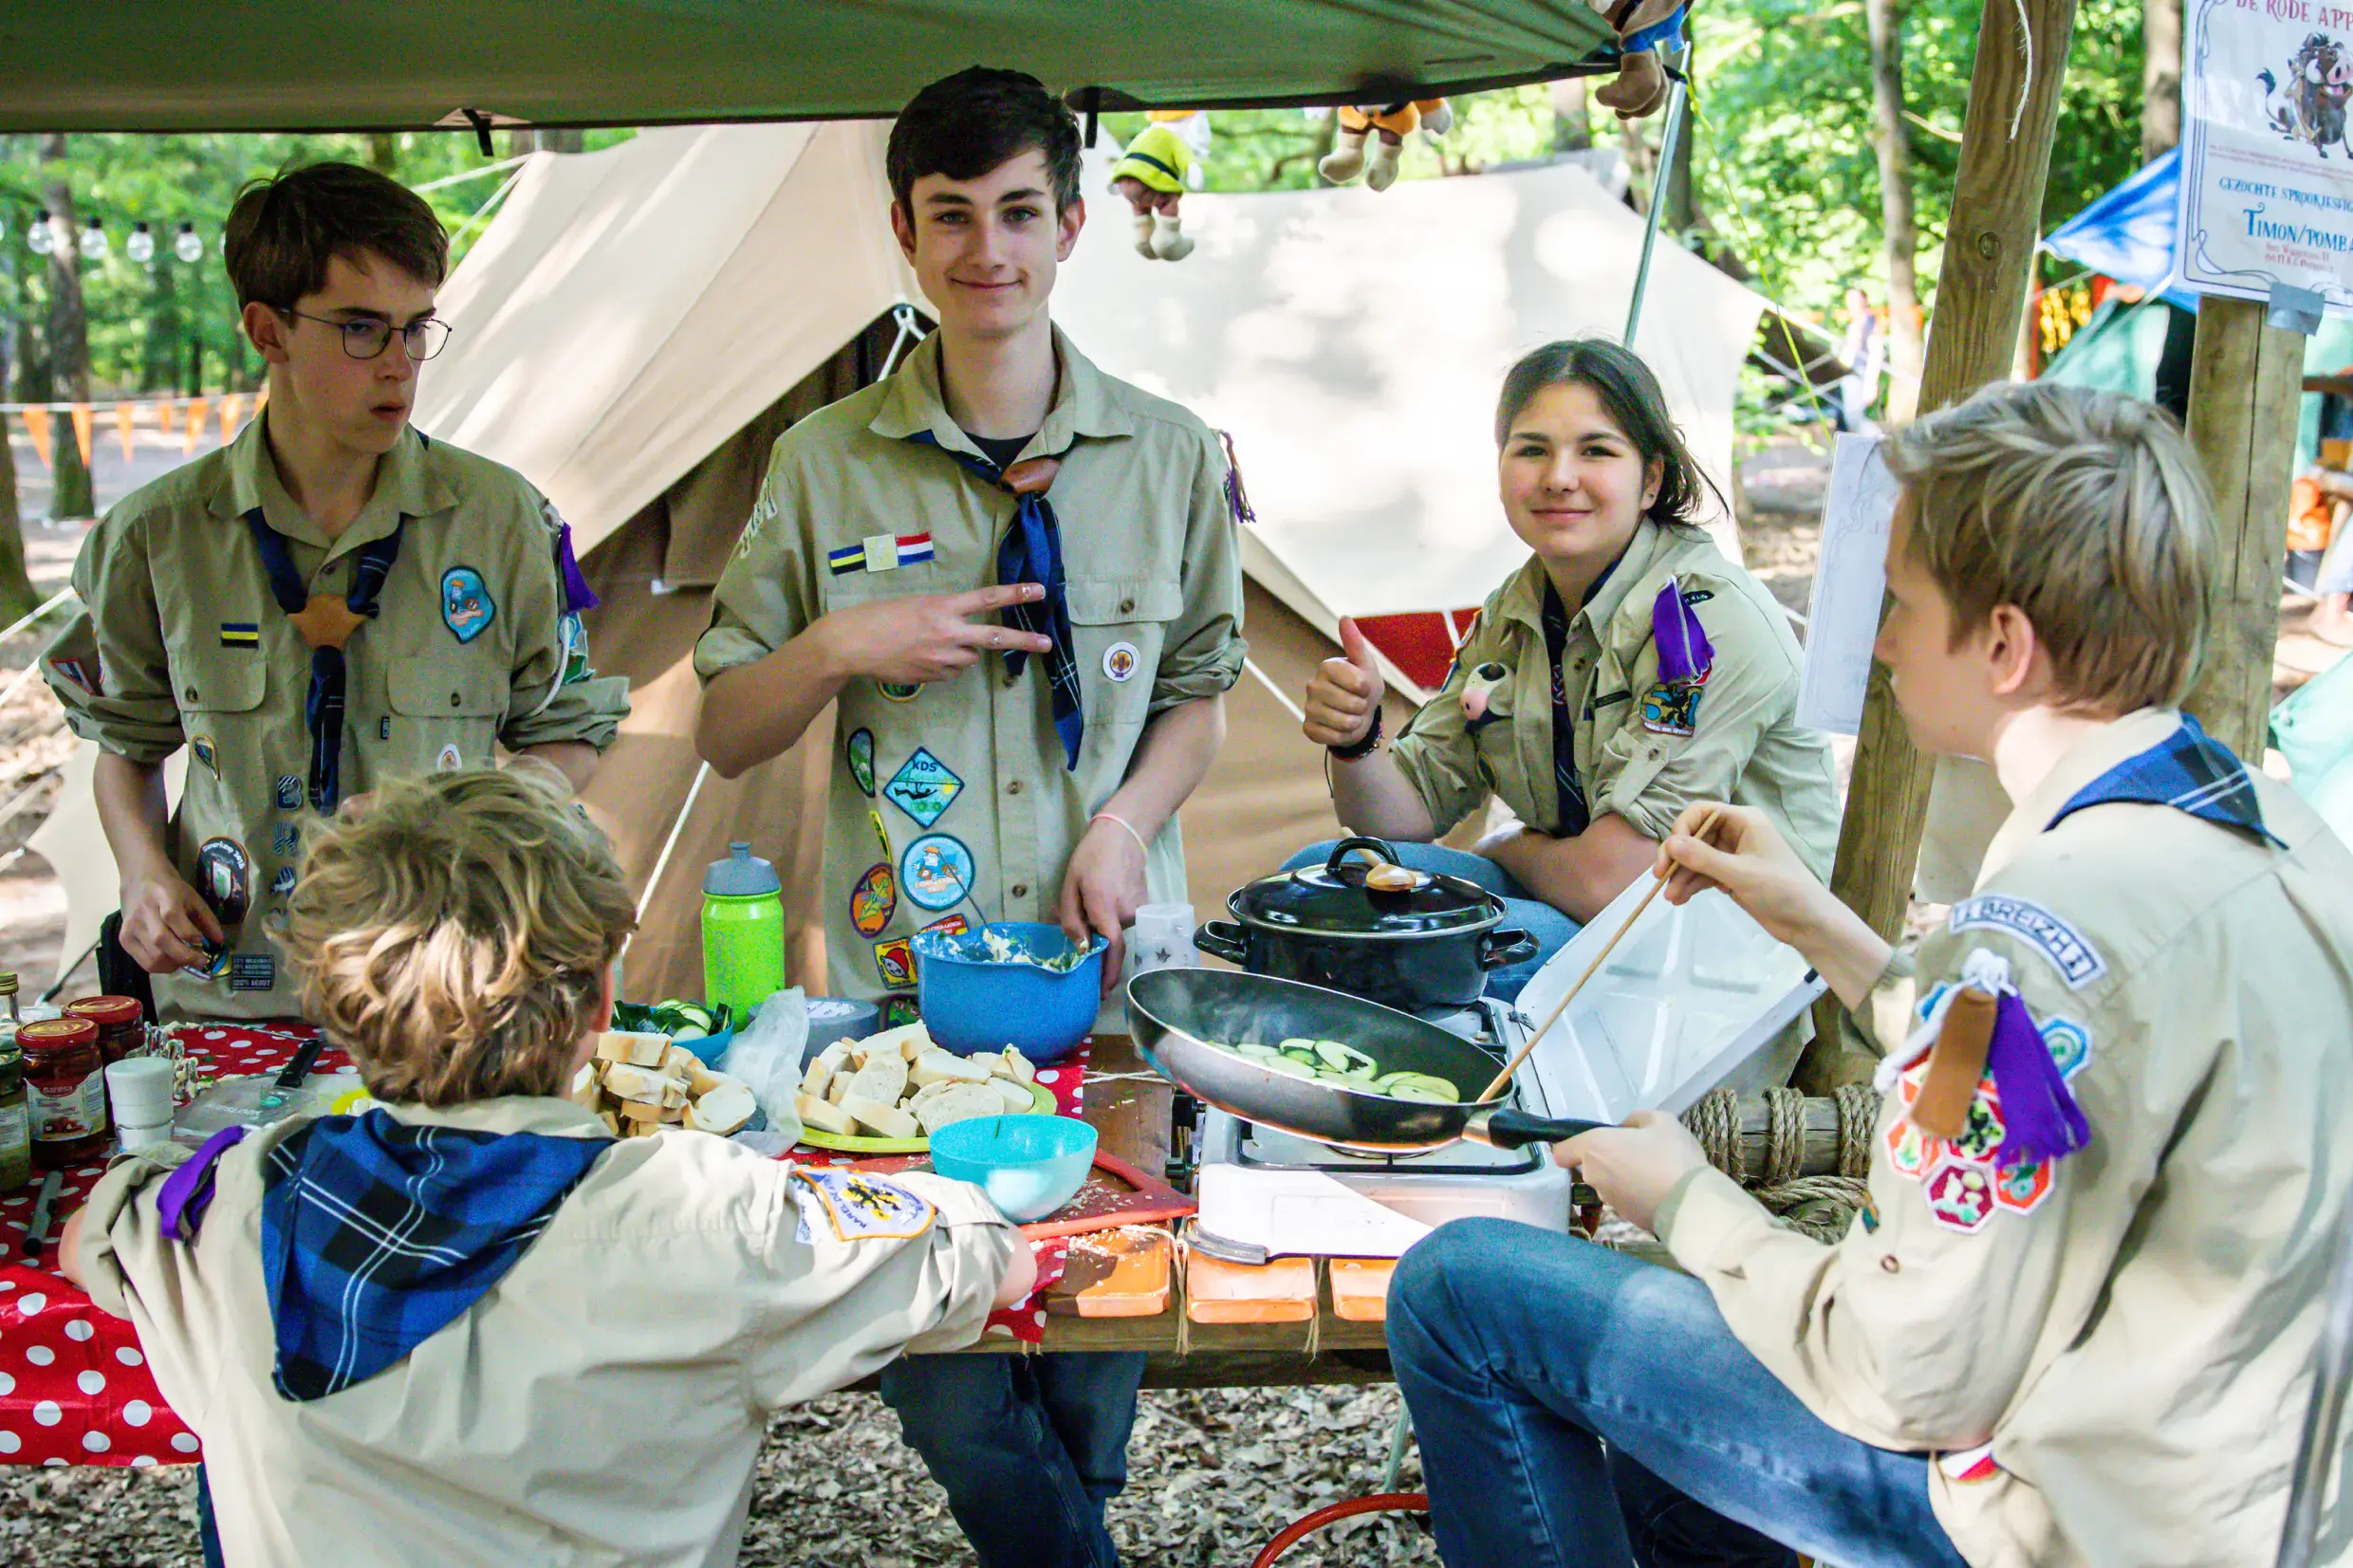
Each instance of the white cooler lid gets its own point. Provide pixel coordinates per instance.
(1690, 996)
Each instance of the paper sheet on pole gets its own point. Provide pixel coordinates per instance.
(1300, 1213)
(1850, 579)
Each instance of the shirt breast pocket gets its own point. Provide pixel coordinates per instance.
(437, 703)
(214, 682)
(1119, 627)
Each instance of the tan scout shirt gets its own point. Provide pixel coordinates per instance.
(966, 777)
(2110, 1355)
(604, 1403)
(180, 643)
(1746, 745)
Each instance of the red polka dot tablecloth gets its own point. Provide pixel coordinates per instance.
(1025, 1322)
(74, 1387)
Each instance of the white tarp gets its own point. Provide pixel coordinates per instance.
(1353, 342)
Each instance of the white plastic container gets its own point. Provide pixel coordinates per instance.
(1695, 998)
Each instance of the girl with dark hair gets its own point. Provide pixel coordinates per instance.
(1625, 672)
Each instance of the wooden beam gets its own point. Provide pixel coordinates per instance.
(2246, 387)
(1996, 222)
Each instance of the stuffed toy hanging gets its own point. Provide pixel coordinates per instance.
(1644, 27)
(1386, 126)
(1153, 174)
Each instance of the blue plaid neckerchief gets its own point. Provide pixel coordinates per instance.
(376, 1234)
(2189, 770)
(1031, 552)
(1576, 815)
(323, 708)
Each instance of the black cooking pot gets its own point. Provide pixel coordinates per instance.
(1426, 946)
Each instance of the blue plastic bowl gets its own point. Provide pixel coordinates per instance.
(1028, 1165)
(971, 1005)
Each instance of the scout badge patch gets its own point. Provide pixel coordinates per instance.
(224, 879)
(240, 633)
(573, 636)
(1479, 697)
(1031, 552)
(282, 881)
(897, 1010)
(900, 691)
(858, 1207)
(252, 972)
(951, 925)
(936, 871)
(467, 607)
(1119, 661)
(923, 788)
(285, 840)
(450, 760)
(880, 552)
(288, 792)
(858, 752)
(894, 961)
(83, 672)
(873, 901)
(1686, 659)
(200, 746)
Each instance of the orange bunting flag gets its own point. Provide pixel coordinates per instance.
(125, 414)
(167, 417)
(197, 409)
(233, 408)
(83, 417)
(37, 424)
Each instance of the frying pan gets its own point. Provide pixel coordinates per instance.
(1179, 1019)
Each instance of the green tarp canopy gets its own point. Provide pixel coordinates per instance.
(396, 65)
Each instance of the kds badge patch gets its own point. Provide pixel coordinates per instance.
(923, 788)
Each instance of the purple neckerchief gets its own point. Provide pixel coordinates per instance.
(187, 1193)
(1684, 651)
(577, 595)
(2040, 1117)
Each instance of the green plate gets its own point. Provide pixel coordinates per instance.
(1041, 1103)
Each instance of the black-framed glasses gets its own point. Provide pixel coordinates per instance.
(365, 337)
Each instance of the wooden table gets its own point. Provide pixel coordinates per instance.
(1131, 1116)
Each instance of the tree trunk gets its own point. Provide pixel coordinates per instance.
(1572, 119)
(1896, 217)
(1642, 165)
(2160, 78)
(1682, 210)
(69, 339)
(16, 595)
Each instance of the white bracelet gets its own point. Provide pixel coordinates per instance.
(1107, 817)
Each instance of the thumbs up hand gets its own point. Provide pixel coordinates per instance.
(1344, 692)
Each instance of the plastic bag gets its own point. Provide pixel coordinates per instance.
(765, 1053)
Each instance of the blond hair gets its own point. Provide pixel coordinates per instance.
(2085, 509)
(453, 937)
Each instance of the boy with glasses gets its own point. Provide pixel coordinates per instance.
(329, 601)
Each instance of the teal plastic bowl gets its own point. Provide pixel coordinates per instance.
(1028, 1165)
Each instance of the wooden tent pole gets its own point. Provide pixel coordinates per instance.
(1998, 212)
(2246, 392)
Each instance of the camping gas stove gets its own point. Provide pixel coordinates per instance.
(1455, 1182)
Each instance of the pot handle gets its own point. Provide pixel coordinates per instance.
(1222, 939)
(1348, 846)
(1512, 1128)
(1509, 945)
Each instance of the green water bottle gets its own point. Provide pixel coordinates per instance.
(743, 931)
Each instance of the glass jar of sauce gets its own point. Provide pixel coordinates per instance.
(65, 1091)
(122, 1024)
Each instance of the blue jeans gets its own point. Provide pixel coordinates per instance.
(1576, 1406)
(1521, 907)
(1029, 1447)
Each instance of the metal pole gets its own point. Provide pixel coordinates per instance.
(1657, 190)
(2318, 1454)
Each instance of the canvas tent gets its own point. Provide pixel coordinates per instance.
(636, 326)
(362, 65)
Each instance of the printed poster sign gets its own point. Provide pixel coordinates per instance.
(2266, 168)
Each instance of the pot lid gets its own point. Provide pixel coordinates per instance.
(1332, 899)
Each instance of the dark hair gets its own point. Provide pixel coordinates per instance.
(964, 126)
(282, 231)
(1630, 396)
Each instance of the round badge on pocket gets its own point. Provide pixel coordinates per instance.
(1119, 661)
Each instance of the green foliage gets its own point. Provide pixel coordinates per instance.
(169, 325)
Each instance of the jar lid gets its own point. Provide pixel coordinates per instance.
(45, 1034)
(742, 875)
(107, 1012)
(1331, 899)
